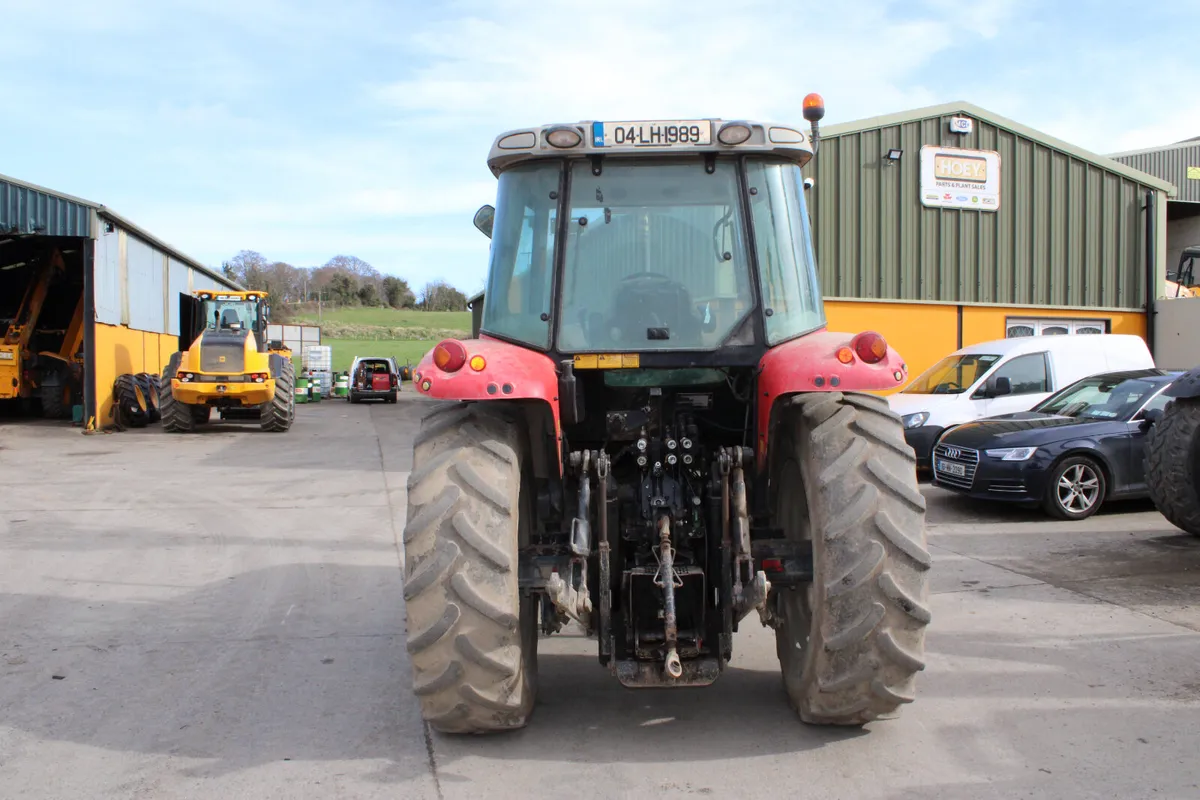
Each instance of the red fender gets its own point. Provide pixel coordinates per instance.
(810, 364)
(509, 372)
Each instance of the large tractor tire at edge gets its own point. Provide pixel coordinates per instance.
(472, 637)
(277, 414)
(1172, 463)
(176, 417)
(851, 644)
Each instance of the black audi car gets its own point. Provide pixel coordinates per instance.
(1073, 451)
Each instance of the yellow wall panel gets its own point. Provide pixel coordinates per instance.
(121, 350)
(924, 333)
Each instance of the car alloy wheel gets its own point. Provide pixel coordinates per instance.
(1078, 489)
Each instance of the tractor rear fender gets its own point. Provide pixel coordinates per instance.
(811, 364)
(1185, 386)
(508, 374)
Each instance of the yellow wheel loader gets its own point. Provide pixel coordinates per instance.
(225, 362)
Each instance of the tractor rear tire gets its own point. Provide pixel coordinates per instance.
(1173, 464)
(851, 643)
(472, 636)
(176, 417)
(277, 414)
(200, 414)
(133, 406)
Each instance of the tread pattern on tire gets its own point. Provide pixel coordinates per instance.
(54, 402)
(871, 562)
(149, 386)
(1172, 462)
(176, 417)
(126, 389)
(277, 414)
(472, 667)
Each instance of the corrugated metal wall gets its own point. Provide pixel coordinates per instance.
(1067, 233)
(1171, 165)
(138, 285)
(25, 209)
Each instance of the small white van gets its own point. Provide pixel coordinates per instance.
(1003, 377)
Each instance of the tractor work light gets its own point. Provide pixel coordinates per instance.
(870, 346)
(733, 133)
(563, 137)
(449, 355)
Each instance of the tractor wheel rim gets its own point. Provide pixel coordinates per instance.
(1078, 488)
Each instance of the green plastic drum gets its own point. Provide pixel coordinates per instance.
(301, 389)
(341, 387)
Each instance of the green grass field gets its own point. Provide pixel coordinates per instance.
(346, 350)
(390, 318)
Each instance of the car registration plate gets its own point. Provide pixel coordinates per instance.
(950, 468)
(660, 133)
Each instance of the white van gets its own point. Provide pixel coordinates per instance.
(1005, 376)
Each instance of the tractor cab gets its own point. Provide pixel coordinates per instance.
(684, 242)
(234, 313)
(1182, 280)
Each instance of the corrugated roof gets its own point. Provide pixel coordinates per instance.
(1173, 162)
(27, 208)
(1157, 149)
(970, 110)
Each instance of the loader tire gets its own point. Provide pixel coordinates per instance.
(133, 406)
(147, 384)
(472, 637)
(277, 414)
(1172, 463)
(851, 643)
(56, 400)
(200, 414)
(176, 417)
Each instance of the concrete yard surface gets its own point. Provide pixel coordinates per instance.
(221, 615)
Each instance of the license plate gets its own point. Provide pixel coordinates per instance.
(952, 469)
(662, 133)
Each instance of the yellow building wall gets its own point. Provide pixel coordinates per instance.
(924, 333)
(121, 350)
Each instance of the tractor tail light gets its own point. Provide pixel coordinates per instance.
(450, 355)
(845, 355)
(870, 346)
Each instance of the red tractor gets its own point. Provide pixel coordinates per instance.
(652, 435)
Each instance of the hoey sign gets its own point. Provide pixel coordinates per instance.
(952, 177)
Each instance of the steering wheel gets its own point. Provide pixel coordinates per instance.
(945, 386)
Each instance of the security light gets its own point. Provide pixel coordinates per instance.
(893, 156)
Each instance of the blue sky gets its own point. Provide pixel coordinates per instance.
(305, 129)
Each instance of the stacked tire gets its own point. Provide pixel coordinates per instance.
(132, 402)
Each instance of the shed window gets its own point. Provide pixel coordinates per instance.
(1055, 327)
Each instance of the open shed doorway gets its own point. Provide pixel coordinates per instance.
(42, 326)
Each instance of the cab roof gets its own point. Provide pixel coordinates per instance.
(647, 138)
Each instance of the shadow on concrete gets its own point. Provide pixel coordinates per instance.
(307, 662)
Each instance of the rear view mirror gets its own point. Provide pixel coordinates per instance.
(484, 217)
(999, 386)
